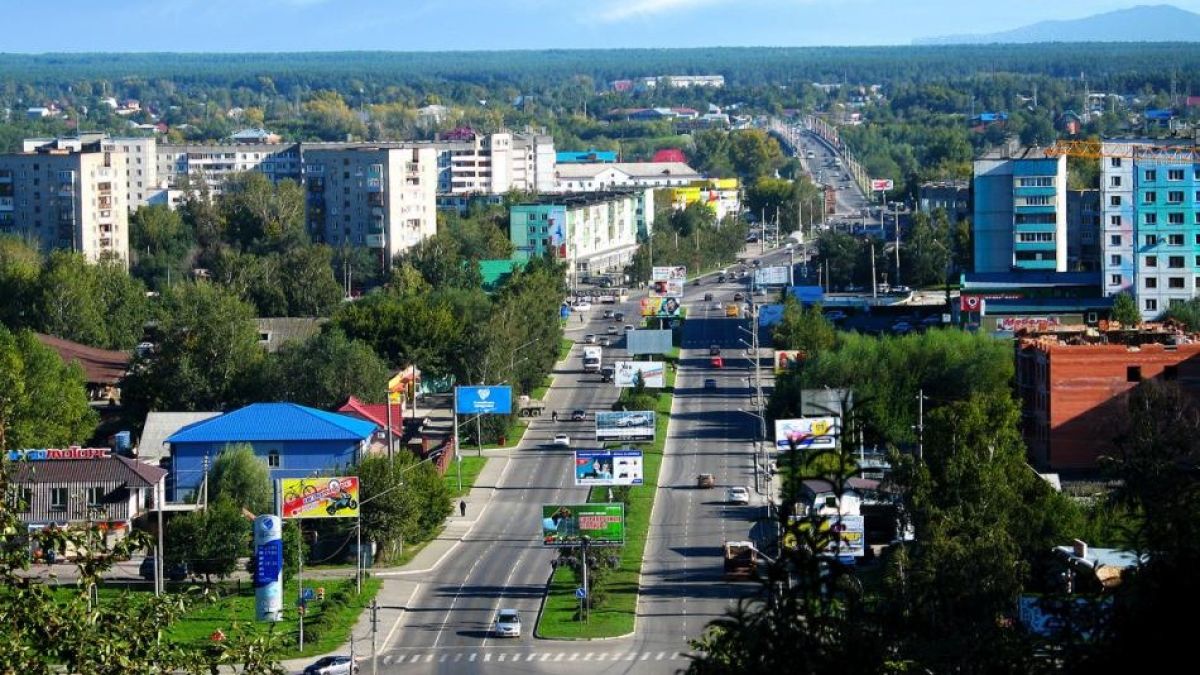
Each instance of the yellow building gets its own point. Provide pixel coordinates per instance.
(719, 194)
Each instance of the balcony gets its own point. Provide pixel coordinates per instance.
(6, 204)
(376, 241)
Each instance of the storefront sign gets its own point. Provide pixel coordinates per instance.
(73, 452)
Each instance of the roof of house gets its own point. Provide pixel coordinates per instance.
(152, 446)
(100, 366)
(285, 329)
(128, 472)
(377, 413)
(275, 422)
(631, 169)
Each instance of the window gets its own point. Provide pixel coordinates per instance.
(1175, 218)
(1115, 239)
(1027, 237)
(1116, 181)
(1036, 181)
(1175, 261)
(1198, 261)
(1151, 282)
(1151, 219)
(1150, 197)
(58, 499)
(1114, 259)
(1175, 174)
(1115, 221)
(1114, 200)
(1134, 373)
(1115, 162)
(1175, 239)
(1150, 239)
(1151, 175)
(1175, 197)
(1171, 373)
(273, 459)
(1151, 261)
(94, 496)
(1114, 280)
(1175, 282)
(1034, 201)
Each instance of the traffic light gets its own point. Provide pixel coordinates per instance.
(321, 593)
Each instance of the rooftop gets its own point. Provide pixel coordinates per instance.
(632, 169)
(377, 413)
(1165, 336)
(100, 366)
(275, 422)
(578, 198)
(122, 470)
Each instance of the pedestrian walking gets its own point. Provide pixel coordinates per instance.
(462, 508)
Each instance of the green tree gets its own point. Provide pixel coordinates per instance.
(308, 282)
(395, 516)
(326, 369)
(159, 243)
(242, 478)
(20, 266)
(927, 255)
(96, 304)
(1186, 313)
(259, 213)
(43, 401)
(837, 253)
(803, 328)
(1125, 310)
(754, 154)
(210, 540)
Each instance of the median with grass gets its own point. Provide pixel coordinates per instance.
(616, 614)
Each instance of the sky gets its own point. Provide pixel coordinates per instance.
(441, 25)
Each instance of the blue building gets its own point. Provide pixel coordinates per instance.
(1020, 211)
(294, 441)
(586, 157)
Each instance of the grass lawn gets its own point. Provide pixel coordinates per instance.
(564, 348)
(539, 393)
(512, 436)
(617, 615)
(471, 466)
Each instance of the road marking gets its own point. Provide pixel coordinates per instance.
(660, 656)
(531, 656)
(454, 601)
(458, 657)
(646, 656)
(487, 656)
(574, 657)
(587, 657)
(603, 656)
(443, 659)
(631, 656)
(500, 657)
(388, 659)
(429, 659)
(407, 603)
(558, 657)
(545, 656)
(472, 659)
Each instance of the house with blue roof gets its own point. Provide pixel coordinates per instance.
(294, 441)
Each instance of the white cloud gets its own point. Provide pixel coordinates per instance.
(620, 10)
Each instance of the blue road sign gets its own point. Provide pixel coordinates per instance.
(494, 400)
(309, 594)
(580, 593)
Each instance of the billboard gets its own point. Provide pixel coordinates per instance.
(847, 535)
(881, 184)
(1036, 324)
(667, 282)
(662, 308)
(335, 497)
(647, 341)
(627, 425)
(786, 359)
(654, 372)
(494, 400)
(565, 524)
(608, 467)
(807, 432)
(771, 276)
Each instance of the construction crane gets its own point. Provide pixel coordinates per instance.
(1165, 154)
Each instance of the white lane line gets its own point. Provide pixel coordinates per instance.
(574, 657)
(454, 601)
(531, 656)
(660, 656)
(500, 657)
(443, 659)
(458, 657)
(395, 626)
(587, 656)
(544, 656)
(558, 657)
(603, 656)
(631, 656)
(487, 656)
(429, 659)
(388, 659)
(472, 658)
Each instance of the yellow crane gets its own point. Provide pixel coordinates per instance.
(1166, 154)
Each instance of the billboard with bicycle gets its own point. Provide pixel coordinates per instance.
(328, 497)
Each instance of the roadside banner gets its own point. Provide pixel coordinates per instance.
(662, 308)
(771, 276)
(625, 425)
(493, 400)
(566, 524)
(786, 359)
(335, 497)
(647, 341)
(608, 467)
(807, 432)
(653, 372)
(667, 282)
(846, 535)
(881, 184)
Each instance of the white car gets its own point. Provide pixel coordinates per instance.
(589, 339)
(508, 623)
(737, 495)
(583, 306)
(332, 665)
(561, 439)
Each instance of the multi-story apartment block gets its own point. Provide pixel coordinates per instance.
(1083, 230)
(594, 232)
(63, 198)
(141, 171)
(214, 164)
(1020, 211)
(475, 164)
(952, 195)
(1151, 219)
(378, 197)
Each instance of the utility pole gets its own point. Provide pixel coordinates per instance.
(921, 424)
(758, 394)
(374, 631)
(583, 548)
(896, 216)
(874, 286)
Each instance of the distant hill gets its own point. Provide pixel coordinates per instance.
(1144, 23)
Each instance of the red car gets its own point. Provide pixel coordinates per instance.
(718, 362)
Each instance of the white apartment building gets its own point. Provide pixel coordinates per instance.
(214, 164)
(474, 164)
(601, 176)
(384, 198)
(141, 171)
(59, 198)
(593, 233)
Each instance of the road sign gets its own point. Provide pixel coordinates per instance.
(309, 594)
(580, 593)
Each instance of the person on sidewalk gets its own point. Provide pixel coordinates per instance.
(553, 415)
(462, 508)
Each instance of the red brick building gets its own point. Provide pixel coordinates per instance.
(1072, 388)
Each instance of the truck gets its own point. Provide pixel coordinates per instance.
(591, 359)
(740, 560)
(529, 407)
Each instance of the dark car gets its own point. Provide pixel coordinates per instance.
(619, 316)
(173, 571)
(606, 374)
(578, 415)
(738, 297)
(710, 384)
(721, 279)
(608, 314)
(714, 350)
(708, 297)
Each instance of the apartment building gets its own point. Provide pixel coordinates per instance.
(1151, 218)
(214, 164)
(477, 164)
(63, 198)
(384, 198)
(141, 172)
(594, 232)
(597, 177)
(1020, 211)
(1083, 230)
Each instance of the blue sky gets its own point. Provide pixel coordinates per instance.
(432, 25)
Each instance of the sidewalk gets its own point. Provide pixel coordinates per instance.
(400, 585)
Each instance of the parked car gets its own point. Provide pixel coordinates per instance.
(332, 665)
(706, 480)
(578, 415)
(561, 439)
(589, 339)
(508, 623)
(737, 495)
(173, 572)
(710, 383)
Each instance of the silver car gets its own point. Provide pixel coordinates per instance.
(508, 623)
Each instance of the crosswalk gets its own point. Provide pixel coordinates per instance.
(418, 657)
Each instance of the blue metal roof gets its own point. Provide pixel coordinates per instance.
(1027, 278)
(807, 294)
(275, 422)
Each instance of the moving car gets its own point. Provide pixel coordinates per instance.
(604, 342)
(714, 350)
(710, 383)
(721, 279)
(708, 297)
(628, 328)
(715, 306)
(717, 362)
(611, 330)
(706, 480)
(738, 297)
(508, 623)
(607, 373)
(737, 495)
(578, 415)
(583, 306)
(332, 665)
(608, 314)
(619, 316)
(561, 439)
(589, 339)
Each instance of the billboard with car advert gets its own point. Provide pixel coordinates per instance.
(662, 308)
(608, 467)
(565, 524)
(786, 359)
(494, 400)
(807, 432)
(646, 341)
(667, 282)
(625, 425)
(771, 276)
(653, 372)
(335, 497)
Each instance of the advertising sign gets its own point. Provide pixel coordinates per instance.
(807, 432)
(1036, 324)
(653, 372)
(771, 276)
(566, 524)
(662, 308)
(645, 341)
(494, 400)
(667, 282)
(626, 425)
(881, 184)
(973, 302)
(335, 497)
(786, 359)
(608, 467)
(268, 568)
(847, 535)
(45, 454)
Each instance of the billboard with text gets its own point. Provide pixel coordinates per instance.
(494, 400)
(661, 308)
(335, 497)
(786, 359)
(771, 276)
(807, 432)
(667, 282)
(567, 524)
(625, 425)
(653, 372)
(608, 467)
(881, 184)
